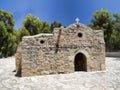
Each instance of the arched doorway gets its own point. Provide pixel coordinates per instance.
(80, 62)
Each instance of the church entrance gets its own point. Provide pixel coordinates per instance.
(80, 62)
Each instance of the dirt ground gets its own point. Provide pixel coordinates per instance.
(101, 80)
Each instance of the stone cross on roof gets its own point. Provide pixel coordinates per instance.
(77, 20)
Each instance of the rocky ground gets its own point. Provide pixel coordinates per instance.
(105, 80)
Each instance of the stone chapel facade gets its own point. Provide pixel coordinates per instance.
(66, 50)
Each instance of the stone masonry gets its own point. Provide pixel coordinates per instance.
(66, 50)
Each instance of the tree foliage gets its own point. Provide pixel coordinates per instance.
(103, 20)
(32, 24)
(7, 34)
(116, 32)
(35, 26)
(20, 33)
(45, 27)
(55, 24)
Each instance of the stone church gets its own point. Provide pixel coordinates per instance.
(66, 50)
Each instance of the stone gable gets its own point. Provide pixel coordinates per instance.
(66, 50)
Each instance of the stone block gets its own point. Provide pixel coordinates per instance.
(66, 50)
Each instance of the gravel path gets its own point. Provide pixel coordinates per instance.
(105, 80)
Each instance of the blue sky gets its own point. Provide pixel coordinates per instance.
(64, 11)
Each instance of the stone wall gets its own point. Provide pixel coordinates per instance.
(55, 53)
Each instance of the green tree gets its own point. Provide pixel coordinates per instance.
(35, 26)
(11, 44)
(103, 20)
(3, 34)
(7, 34)
(116, 32)
(45, 27)
(20, 33)
(55, 24)
(32, 24)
